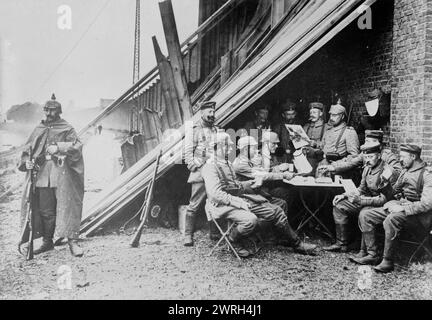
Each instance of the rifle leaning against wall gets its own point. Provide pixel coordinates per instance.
(29, 222)
(146, 209)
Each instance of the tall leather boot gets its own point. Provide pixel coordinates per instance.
(48, 225)
(189, 230)
(372, 257)
(342, 235)
(74, 248)
(362, 253)
(214, 232)
(236, 241)
(298, 245)
(387, 264)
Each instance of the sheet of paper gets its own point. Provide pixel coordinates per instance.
(349, 186)
(301, 138)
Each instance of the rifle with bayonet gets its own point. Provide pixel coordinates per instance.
(29, 222)
(146, 209)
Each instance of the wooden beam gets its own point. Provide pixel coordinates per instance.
(277, 11)
(175, 56)
(226, 67)
(168, 87)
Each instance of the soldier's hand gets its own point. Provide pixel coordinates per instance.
(283, 167)
(396, 208)
(338, 199)
(257, 182)
(244, 205)
(29, 165)
(288, 175)
(52, 149)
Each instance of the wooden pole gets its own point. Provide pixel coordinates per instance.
(168, 87)
(175, 56)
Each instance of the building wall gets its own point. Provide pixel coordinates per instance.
(353, 64)
(411, 114)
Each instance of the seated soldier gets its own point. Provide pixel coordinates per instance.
(374, 191)
(413, 206)
(248, 165)
(352, 162)
(229, 198)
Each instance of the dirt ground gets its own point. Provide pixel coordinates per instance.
(161, 268)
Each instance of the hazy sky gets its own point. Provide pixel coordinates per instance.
(99, 67)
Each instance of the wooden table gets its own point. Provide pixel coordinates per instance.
(302, 185)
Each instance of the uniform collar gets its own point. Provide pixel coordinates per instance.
(377, 168)
(204, 124)
(317, 124)
(340, 126)
(417, 166)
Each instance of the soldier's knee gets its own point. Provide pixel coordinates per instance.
(365, 219)
(392, 222)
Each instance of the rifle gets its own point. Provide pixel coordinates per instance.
(146, 209)
(29, 217)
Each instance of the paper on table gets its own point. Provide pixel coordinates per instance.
(349, 186)
(301, 163)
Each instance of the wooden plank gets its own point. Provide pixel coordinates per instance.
(225, 67)
(175, 56)
(168, 87)
(277, 11)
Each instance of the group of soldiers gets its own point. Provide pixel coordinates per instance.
(394, 192)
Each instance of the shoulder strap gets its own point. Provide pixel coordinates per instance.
(420, 181)
(339, 138)
(322, 130)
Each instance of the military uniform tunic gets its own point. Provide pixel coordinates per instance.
(413, 191)
(352, 162)
(197, 151)
(348, 143)
(374, 192)
(225, 193)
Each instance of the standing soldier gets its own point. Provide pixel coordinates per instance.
(57, 158)
(339, 141)
(412, 207)
(374, 190)
(196, 154)
(289, 116)
(237, 201)
(350, 163)
(315, 130)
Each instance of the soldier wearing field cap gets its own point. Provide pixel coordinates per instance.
(197, 151)
(349, 163)
(374, 191)
(248, 165)
(412, 206)
(339, 140)
(315, 129)
(238, 201)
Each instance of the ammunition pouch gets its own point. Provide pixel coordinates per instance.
(334, 156)
(234, 191)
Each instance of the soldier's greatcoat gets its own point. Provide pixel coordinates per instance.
(67, 177)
